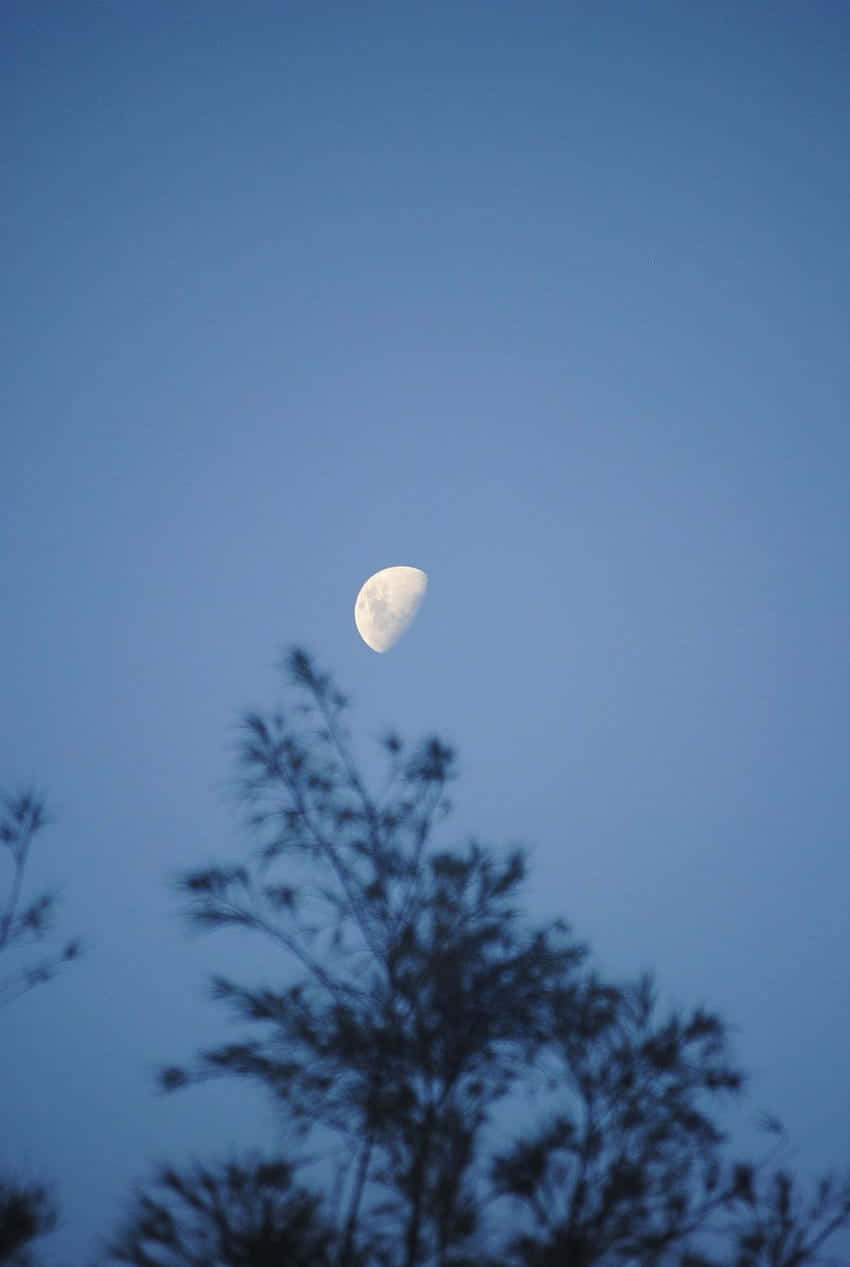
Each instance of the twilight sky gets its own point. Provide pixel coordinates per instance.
(550, 300)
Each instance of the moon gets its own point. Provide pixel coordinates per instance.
(386, 605)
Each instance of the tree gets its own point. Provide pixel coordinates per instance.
(237, 1214)
(775, 1224)
(630, 1166)
(27, 1211)
(634, 1172)
(414, 1004)
(23, 817)
(366, 1043)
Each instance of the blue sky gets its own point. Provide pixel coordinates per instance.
(550, 300)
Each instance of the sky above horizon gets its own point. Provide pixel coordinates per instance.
(549, 300)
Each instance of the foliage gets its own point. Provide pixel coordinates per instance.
(22, 925)
(775, 1224)
(27, 1211)
(414, 1005)
(417, 1010)
(238, 1214)
(630, 1165)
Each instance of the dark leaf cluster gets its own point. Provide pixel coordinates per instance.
(238, 1214)
(27, 1211)
(26, 922)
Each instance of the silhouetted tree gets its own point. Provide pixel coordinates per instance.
(238, 1214)
(629, 1165)
(415, 1000)
(633, 1172)
(420, 995)
(22, 923)
(27, 1211)
(774, 1223)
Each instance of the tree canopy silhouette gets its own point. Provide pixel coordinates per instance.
(24, 923)
(478, 1093)
(237, 1214)
(27, 1209)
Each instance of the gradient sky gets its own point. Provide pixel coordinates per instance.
(550, 300)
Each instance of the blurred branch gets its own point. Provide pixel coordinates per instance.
(23, 818)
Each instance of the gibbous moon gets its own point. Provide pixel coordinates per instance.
(386, 605)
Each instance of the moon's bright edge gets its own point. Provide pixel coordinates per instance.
(387, 603)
